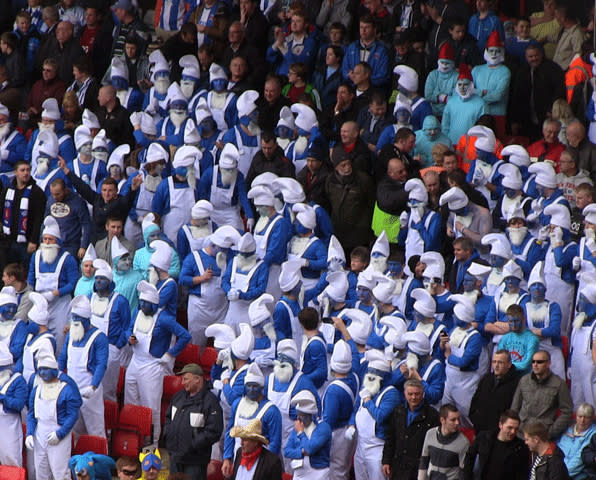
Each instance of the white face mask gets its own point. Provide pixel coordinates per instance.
(445, 66)
(494, 55)
(177, 117)
(43, 165)
(464, 88)
(49, 252)
(517, 235)
(43, 127)
(161, 85)
(77, 331)
(187, 87)
(4, 129)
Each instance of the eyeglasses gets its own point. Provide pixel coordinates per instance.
(128, 473)
(539, 362)
(51, 70)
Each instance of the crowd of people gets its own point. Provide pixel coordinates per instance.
(380, 214)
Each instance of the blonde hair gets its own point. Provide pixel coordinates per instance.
(562, 111)
(70, 98)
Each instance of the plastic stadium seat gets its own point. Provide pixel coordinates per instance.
(91, 443)
(214, 470)
(468, 432)
(125, 443)
(190, 354)
(172, 384)
(111, 414)
(137, 418)
(208, 358)
(286, 476)
(12, 473)
(565, 349)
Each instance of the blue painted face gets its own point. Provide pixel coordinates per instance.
(364, 294)
(300, 229)
(515, 323)
(181, 171)
(394, 267)
(497, 261)
(537, 292)
(469, 283)
(253, 391)
(305, 418)
(147, 308)
(402, 116)
(512, 283)
(283, 132)
(418, 317)
(102, 284)
(460, 323)
(510, 192)
(8, 311)
(207, 126)
(162, 74)
(462, 212)
(540, 189)
(484, 156)
(219, 84)
(47, 374)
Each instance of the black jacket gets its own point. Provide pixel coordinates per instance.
(117, 124)
(268, 468)
(515, 462)
(269, 112)
(552, 465)
(403, 445)
(255, 60)
(65, 55)
(35, 216)
(187, 444)
(278, 164)
(589, 458)
(314, 187)
(492, 398)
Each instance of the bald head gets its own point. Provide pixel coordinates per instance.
(349, 133)
(575, 133)
(107, 97)
(64, 32)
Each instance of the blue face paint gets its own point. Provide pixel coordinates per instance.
(8, 311)
(219, 84)
(162, 74)
(515, 323)
(181, 171)
(510, 192)
(47, 374)
(537, 292)
(207, 126)
(119, 83)
(300, 229)
(540, 189)
(497, 261)
(469, 283)
(102, 284)
(282, 132)
(253, 391)
(364, 294)
(460, 323)
(512, 283)
(147, 308)
(484, 156)
(462, 212)
(418, 317)
(394, 267)
(305, 418)
(33, 328)
(402, 116)
(296, 290)
(303, 133)
(178, 105)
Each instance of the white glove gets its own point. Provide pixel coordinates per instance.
(364, 393)
(334, 265)
(233, 295)
(304, 262)
(579, 320)
(166, 359)
(135, 119)
(594, 117)
(53, 438)
(350, 432)
(30, 442)
(577, 263)
(591, 244)
(250, 224)
(223, 356)
(269, 330)
(532, 217)
(4, 154)
(543, 233)
(403, 218)
(442, 98)
(217, 385)
(226, 374)
(556, 236)
(86, 392)
(325, 306)
(537, 206)
(49, 296)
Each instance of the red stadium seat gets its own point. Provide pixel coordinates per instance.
(172, 384)
(214, 470)
(468, 432)
(190, 354)
(137, 418)
(111, 414)
(12, 473)
(91, 443)
(286, 476)
(208, 358)
(125, 443)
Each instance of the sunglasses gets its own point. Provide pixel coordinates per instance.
(128, 473)
(539, 362)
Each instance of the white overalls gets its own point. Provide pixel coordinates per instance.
(582, 369)
(132, 228)
(240, 421)
(195, 244)
(101, 320)
(59, 307)
(540, 315)
(238, 309)
(262, 239)
(308, 472)
(208, 308)
(219, 114)
(558, 290)
(224, 213)
(414, 242)
(297, 330)
(11, 440)
(246, 152)
(91, 416)
(296, 250)
(181, 199)
(42, 345)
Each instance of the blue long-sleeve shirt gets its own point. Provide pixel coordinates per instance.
(66, 148)
(18, 367)
(429, 229)
(468, 361)
(238, 196)
(98, 355)
(16, 151)
(281, 62)
(15, 397)
(337, 403)
(572, 444)
(235, 391)
(119, 320)
(303, 383)
(271, 428)
(172, 138)
(378, 60)
(164, 328)
(521, 347)
(277, 244)
(67, 409)
(281, 317)
(317, 447)
(161, 200)
(190, 270)
(316, 254)
(551, 331)
(257, 285)
(168, 295)
(389, 400)
(535, 254)
(183, 246)
(17, 341)
(74, 221)
(480, 29)
(315, 361)
(484, 304)
(69, 274)
(564, 255)
(86, 169)
(434, 385)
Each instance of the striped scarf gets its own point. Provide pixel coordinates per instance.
(23, 213)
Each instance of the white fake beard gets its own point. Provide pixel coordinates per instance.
(473, 295)
(379, 264)
(77, 331)
(247, 408)
(191, 177)
(199, 232)
(465, 221)
(507, 299)
(261, 223)
(372, 383)
(246, 263)
(283, 371)
(494, 60)
(143, 322)
(426, 328)
(279, 204)
(310, 429)
(457, 336)
(228, 178)
(49, 252)
(300, 145)
(297, 244)
(6, 328)
(42, 167)
(187, 88)
(151, 182)
(283, 142)
(153, 277)
(517, 235)
(45, 127)
(589, 233)
(99, 305)
(162, 85)
(445, 67)
(50, 390)
(177, 118)
(412, 360)
(468, 93)
(100, 156)
(579, 320)
(253, 128)
(399, 285)
(121, 94)
(301, 296)
(4, 377)
(218, 100)
(221, 260)
(4, 129)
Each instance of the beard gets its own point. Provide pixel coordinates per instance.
(191, 177)
(151, 182)
(4, 129)
(187, 88)
(473, 295)
(77, 331)
(261, 223)
(221, 259)
(283, 142)
(45, 127)
(246, 263)
(253, 128)
(99, 305)
(177, 118)
(49, 252)
(6, 328)
(153, 277)
(283, 371)
(50, 390)
(121, 94)
(300, 145)
(228, 178)
(496, 60)
(372, 383)
(517, 235)
(42, 167)
(161, 85)
(412, 360)
(143, 322)
(4, 377)
(247, 408)
(199, 232)
(379, 264)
